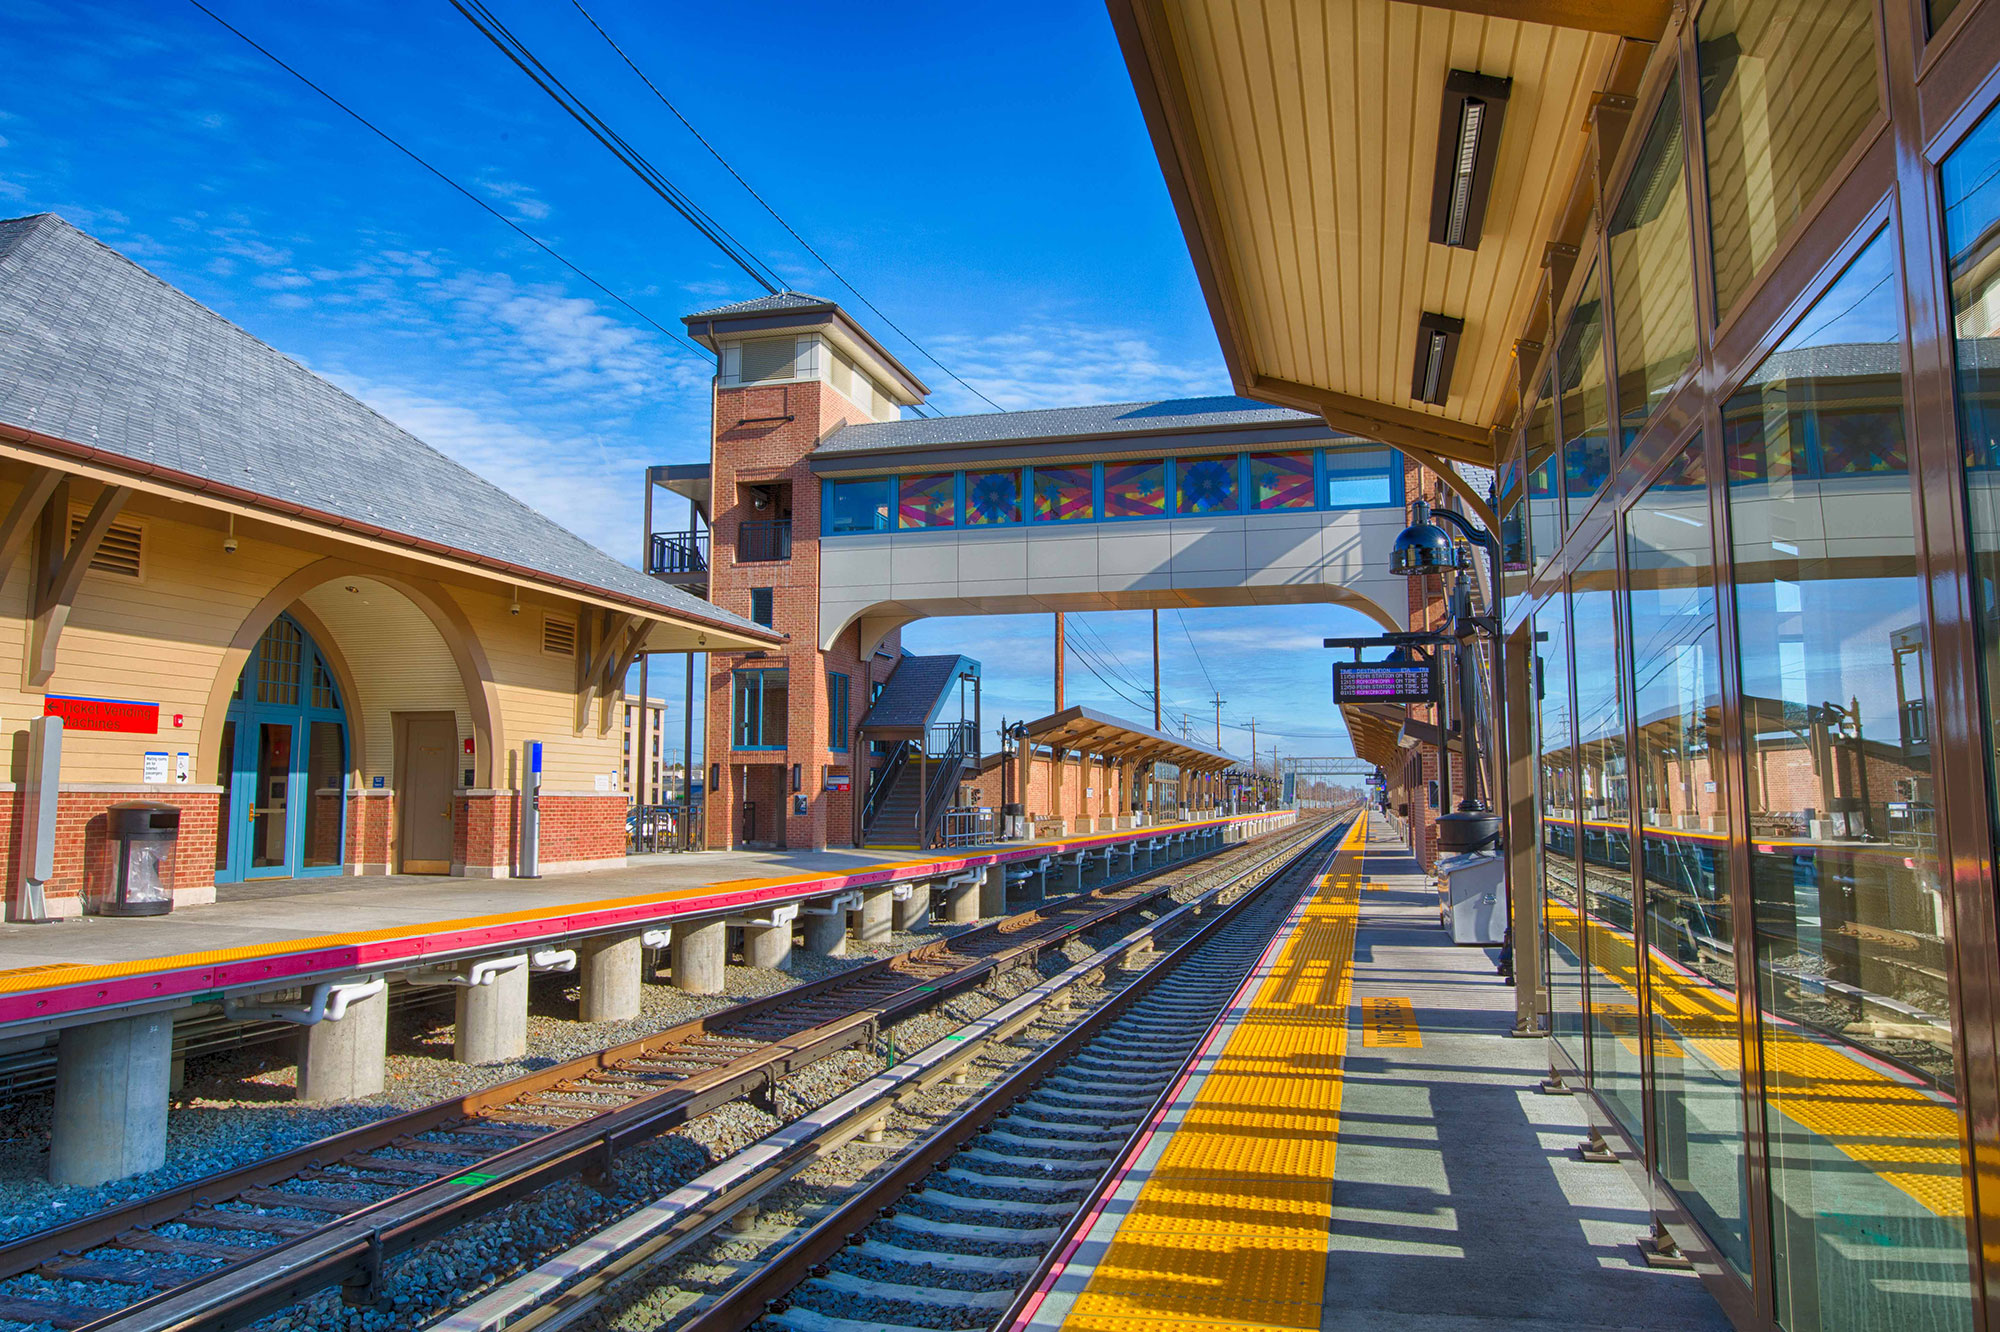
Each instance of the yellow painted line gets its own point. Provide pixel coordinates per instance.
(1229, 1233)
(1389, 1020)
(30, 978)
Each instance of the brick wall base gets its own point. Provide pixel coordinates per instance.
(85, 859)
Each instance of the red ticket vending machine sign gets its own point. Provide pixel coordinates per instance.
(103, 714)
(1371, 682)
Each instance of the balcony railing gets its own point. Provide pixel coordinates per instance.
(764, 541)
(679, 553)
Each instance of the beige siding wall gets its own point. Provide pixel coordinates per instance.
(161, 639)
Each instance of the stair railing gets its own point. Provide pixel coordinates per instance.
(885, 781)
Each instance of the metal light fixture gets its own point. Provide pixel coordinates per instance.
(1423, 547)
(1437, 349)
(1468, 145)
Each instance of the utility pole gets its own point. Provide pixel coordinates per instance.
(1218, 719)
(1156, 670)
(1062, 656)
(1253, 751)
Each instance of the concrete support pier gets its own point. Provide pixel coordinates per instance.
(701, 954)
(1069, 874)
(348, 1059)
(111, 1099)
(876, 904)
(993, 892)
(914, 912)
(769, 946)
(610, 978)
(493, 1019)
(826, 929)
(961, 900)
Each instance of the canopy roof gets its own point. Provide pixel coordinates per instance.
(1086, 731)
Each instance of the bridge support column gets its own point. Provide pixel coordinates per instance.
(961, 900)
(875, 913)
(914, 912)
(610, 979)
(768, 946)
(344, 1060)
(493, 1018)
(701, 956)
(110, 1116)
(993, 892)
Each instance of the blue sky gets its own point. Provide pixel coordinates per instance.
(981, 174)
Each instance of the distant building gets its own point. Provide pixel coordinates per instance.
(649, 771)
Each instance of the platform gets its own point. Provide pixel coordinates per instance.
(307, 930)
(1361, 1145)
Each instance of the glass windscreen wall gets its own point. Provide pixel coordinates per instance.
(1605, 807)
(1585, 410)
(1544, 466)
(1555, 790)
(1861, 1110)
(1786, 88)
(1678, 784)
(1651, 255)
(1971, 188)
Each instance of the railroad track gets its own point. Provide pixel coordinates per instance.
(946, 1233)
(216, 1252)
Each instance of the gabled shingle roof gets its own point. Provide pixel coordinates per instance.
(1173, 416)
(95, 351)
(782, 300)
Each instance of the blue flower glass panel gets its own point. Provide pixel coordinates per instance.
(992, 497)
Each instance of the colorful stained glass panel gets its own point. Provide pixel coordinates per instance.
(1135, 490)
(1062, 495)
(992, 497)
(1205, 485)
(1281, 480)
(927, 501)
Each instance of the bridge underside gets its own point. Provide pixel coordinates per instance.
(881, 619)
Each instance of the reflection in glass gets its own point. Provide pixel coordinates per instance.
(1861, 1112)
(1063, 495)
(1971, 187)
(1555, 790)
(992, 497)
(1513, 538)
(270, 808)
(1786, 87)
(1545, 502)
(1135, 490)
(1604, 803)
(1684, 854)
(1940, 10)
(927, 501)
(1585, 414)
(225, 777)
(1205, 485)
(857, 506)
(1652, 267)
(326, 792)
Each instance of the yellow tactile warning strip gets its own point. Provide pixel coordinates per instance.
(1230, 1232)
(1389, 1020)
(30, 979)
(1897, 1131)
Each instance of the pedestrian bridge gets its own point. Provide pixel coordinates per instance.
(1134, 506)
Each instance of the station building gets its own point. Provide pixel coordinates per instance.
(255, 600)
(1711, 287)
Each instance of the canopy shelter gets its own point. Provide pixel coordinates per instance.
(1082, 730)
(1375, 729)
(916, 694)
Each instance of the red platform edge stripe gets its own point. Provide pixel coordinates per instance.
(286, 968)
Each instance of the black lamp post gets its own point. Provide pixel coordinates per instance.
(1425, 548)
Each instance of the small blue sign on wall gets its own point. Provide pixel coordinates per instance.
(378, 782)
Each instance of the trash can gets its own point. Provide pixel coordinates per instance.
(144, 836)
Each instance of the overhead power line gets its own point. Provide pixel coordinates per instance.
(406, 151)
(489, 26)
(790, 230)
(1197, 651)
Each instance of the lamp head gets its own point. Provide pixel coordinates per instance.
(1423, 547)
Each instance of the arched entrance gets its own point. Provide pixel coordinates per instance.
(283, 763)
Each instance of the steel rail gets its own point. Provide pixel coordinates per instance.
(763, 1291)
(571, 1284)
(350, 1250)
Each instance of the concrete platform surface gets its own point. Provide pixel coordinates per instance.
(1362, 1146)
(303, 931)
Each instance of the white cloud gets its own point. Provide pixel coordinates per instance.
(516, 197)
(1066, 363)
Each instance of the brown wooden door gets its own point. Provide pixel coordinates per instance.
(426, 758)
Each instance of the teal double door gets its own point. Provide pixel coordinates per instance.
(283, 764)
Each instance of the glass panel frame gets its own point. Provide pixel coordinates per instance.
(1583, 410)
(928, 499)
(1370, 478)
(849, 507)
(1206, 487)
(1135, 490)
(1649, 256)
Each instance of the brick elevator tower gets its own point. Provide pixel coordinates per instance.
(785, 768)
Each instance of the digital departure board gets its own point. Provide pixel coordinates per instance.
(1374, 682)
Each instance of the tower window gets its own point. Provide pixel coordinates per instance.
(769, 359)
(760, 606)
